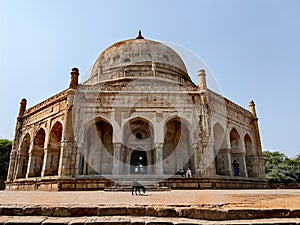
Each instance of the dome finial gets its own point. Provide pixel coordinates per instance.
(140, 35)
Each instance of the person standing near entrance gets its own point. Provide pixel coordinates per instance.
(236, 167)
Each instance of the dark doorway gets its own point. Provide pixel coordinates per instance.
(138, 162)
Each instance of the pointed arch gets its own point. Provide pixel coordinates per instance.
(235, 141)
(181, 119)
(176, 147)
(23, 157)
(37, 154)
(98, 156)
(54, 150)
(138, 140)
(138, 129)
(219, 134)
(222, 159)
(249, 145)
(251, 157)
(237, 153)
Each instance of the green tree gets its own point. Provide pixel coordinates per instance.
(5, 148)
(280, 168)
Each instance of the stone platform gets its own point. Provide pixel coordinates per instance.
(171, 207)
(92, 183)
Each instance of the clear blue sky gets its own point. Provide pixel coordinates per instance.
(252, 47)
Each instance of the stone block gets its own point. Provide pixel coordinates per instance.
(34, 220)
(56, 221)
(55, 211)
(32, 211)
(68, 186)
(219, 185)
(108, 221)
(80, 186)
(3, 219)
(193, 185)
(12, 210)
(295, 213)
(112, 211)
(101, 185)
(92, 186)
(205, 185)
(181, 185)
(151, 211)
(167, 212)
(160, 223)
(45, 187)
(78, 221)
(83, 211)
(137, 211)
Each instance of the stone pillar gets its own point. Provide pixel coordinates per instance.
(159, 169)
(224, 155)
(68, 147)
(211, 165)
(32, 166)
(30, 162)
(207, 165)
(11, 173)
(261, 167)
(227, 158)
(204, 119)
(196, 159)
(79, 155)
(45, 165)
(243, 166)
(18, 166)
(67, 138)
(116, 159)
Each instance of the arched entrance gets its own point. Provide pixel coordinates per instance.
(53, 154)
(176, 147)
(98, 157)
(138, 162)
(37, 154)
(23, 160)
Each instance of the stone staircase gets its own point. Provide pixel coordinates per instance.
(124, 183)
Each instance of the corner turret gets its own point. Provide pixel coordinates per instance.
(202, 80)
(74, 78)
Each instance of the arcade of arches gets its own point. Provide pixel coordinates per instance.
(38, 158)
(230, 147)
(138, 155)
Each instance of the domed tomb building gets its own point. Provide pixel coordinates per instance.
(138, 117)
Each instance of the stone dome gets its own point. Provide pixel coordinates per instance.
(137, 51)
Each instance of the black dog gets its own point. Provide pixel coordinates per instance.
(136, 186)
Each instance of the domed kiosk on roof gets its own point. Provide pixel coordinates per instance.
(138, 117)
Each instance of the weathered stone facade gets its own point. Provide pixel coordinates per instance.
(137, 116)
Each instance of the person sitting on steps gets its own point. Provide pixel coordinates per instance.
(189, 172)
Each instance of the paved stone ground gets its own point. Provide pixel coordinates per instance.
(268, 199)
(184, 206)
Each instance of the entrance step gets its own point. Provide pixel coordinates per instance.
(129, 188)
(124, 183)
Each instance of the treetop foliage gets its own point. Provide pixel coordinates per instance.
(280, 168)
(5, 148)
